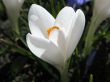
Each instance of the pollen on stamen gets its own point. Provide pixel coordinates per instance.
(49, 30)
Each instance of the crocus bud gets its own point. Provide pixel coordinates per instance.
(13, 8)
(102, 9)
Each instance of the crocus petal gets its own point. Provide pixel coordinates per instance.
(20, 2)
(76, 32)
(102, 9)
(103, 6)
(54, 37)
(13, 5)
(36, 45)
(53, 56)
(64, 19)
(76, 3)
(61, 43)
(10, 3)
(45, 19)
(35, 25)
(45, 49)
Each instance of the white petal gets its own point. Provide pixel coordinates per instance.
(76, 32)
(13, 4)
(10, 3)
(20, 2)
(65, 18)
(45, 19)
(54, 36)
(36, 45)
(35, 25)
(45, 50)
(62, 43)
(53, 56)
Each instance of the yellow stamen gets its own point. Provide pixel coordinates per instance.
(49, 30)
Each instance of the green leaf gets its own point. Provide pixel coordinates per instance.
(3, 51)
(107, 36)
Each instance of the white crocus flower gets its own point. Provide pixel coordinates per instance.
(13, 9)
(101, 9)
(53, 40)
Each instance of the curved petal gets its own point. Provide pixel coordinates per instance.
(76, 32)
(53, 56)
(64, 19)
(61, 43)
(45, 19)
(36, 45)
(35, 25)
(45, 49)
(54, 36)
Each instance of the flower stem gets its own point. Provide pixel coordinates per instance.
(64, 74)
(15, 27)
(95, 21)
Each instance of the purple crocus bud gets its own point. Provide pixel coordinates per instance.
(89, 62)
(90, 59)
(76, 2)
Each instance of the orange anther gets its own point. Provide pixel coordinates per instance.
(49, 30)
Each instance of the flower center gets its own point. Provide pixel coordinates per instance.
(49, 30)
